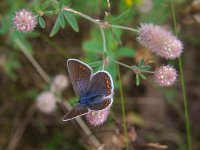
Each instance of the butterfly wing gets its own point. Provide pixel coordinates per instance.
(80, 74)
(101, 105)
(101, 84)
(77, 111)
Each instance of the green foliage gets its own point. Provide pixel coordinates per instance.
(55, 28)
(94, 50)
(140, 70)
(61, 19)
(41, 22)
(71, 20)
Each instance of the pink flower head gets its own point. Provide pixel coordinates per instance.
(165, 76)
(160, 41)
(60, 82)
(97, 118)
(46, 102)
(24, 21)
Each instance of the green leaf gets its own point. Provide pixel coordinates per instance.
(137, 80)
(146, 67)
(61, 20)
(48, 12)
(71, 20)
(41, 22)
(95, 64)
(61, 3)
(142, 76)
(141, 62)
(45, 5)
(55, 28)
(122, 16)
(116, 36)
(124, 52)
(72, 101)
(93, 46)
(135, 67)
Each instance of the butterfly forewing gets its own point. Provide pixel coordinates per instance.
(77, 111)
(80, 74)
(100, 105)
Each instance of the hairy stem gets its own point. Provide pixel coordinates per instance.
(81, 15)
(187, 118)
(124, 28)
(98, 22)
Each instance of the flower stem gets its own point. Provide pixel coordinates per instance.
(187, 118)
(125, 28)
(129, 67)
(123, 109)
(104, 46)
(95, 21)
(81, 15)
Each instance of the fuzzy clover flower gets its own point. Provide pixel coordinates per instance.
(97, 118)
(159, 41)
(60, 82)
(24, 21)
(46, 102)
(165, 76)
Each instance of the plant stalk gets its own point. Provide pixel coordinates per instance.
(123, 110)
(185, 100)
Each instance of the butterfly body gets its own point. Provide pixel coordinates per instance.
(88, 99)
(95, 91)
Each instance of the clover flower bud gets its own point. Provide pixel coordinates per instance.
(60, 82)
(46, 102)
(165, 76)
(24, 21)
(159, 41)
(97, 118)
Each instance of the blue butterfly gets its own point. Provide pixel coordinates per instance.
(95, 91)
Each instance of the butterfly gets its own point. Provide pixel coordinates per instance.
(95, 91)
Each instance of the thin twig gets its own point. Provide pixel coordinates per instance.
(82, 124)
(20, 130)
(33, 61)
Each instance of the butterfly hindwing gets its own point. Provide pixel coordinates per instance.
(100, 105)
(80, 74)
(77, 111)
(101, 85)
